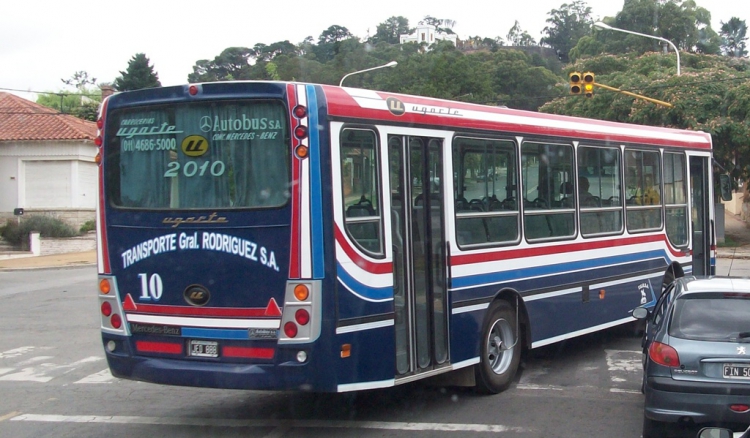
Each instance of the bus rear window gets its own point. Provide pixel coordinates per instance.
(198, 155)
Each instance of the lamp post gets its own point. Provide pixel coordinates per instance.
(608, 27)
(390, 64)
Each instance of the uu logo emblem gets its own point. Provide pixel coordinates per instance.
(194, 145)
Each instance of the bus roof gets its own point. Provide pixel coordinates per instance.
(353, 103)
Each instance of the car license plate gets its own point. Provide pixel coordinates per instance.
(203, 348)
(733, 371)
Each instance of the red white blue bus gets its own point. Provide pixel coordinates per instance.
(289, 236)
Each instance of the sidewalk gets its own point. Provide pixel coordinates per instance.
(737, 232)
(87, 258)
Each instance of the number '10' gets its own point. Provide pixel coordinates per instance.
(151, 288)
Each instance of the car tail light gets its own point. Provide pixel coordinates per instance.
(739, 408)
(663, 354)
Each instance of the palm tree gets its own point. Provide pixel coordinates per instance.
(733, 35)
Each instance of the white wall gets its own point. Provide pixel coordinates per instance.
(29, 159)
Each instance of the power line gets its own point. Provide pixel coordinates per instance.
(51, 92)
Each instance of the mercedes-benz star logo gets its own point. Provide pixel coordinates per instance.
(206, 123)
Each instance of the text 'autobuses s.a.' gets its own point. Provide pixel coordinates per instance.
(270, 235)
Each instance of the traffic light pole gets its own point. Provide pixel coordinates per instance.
(628, 93)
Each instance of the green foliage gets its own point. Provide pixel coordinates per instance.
(83, 103)
(733, 35)
(47, 226)
(87, 226)
(139, 74)
(681, 22)
(566, 26)
(391, 30)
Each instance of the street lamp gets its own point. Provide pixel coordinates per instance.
(608, 27)
(390, 64)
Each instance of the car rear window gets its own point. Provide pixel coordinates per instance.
(712, 317)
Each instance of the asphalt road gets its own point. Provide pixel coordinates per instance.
(54, 382)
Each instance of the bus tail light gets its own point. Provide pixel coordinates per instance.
(290, 330)
(112, 314)
(116, 321)
(301, 315)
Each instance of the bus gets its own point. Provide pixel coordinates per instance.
(293, 236)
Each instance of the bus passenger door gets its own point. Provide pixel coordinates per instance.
(419, 259)
(701, 206)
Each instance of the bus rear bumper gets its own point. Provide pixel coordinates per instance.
(199, 373)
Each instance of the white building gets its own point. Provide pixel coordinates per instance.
(427, 35)
(46, 162)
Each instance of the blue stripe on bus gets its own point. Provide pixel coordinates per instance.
(362, 290)
(560, 268)
(316, 185)
(192, 332)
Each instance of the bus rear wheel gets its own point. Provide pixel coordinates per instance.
(500, 351)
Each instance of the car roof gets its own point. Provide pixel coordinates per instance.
(691, 285)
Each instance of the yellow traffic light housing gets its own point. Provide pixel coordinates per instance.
(588, 83)
(576, 86)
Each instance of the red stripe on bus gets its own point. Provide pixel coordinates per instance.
(158, 347)
(248, 352)
(295, 259)
(222, 312)
(102, 226)
(371, 267)
(468, 259)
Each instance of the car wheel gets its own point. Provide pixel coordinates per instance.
(500, 351)
(653, 429)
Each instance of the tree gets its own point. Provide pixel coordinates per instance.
(683, 23)
(230, 64)
(79, 80)
(138, 75)
(444, 25)
(330, 40)
(733, 35)
(390, 30)
(566, 26)
(519, 37)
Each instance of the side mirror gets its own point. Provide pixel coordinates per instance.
(640, 313)
(725, 186)
(715, 432)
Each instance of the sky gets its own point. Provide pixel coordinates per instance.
(42, 42)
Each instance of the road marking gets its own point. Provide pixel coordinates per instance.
(45, 372)
(9, 415)
(214, 422)
(15, 352)
(628, 361)
(625, 391)
(103, 376)
(540, 387)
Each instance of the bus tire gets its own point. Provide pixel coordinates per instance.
(497, 367)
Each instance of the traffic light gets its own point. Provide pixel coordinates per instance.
(588, 84)
(575, 83)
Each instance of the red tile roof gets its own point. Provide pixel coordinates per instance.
(22, 119)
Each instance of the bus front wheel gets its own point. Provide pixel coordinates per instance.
(500, 349)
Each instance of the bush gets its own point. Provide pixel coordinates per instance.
(47, 226)
(88, 226)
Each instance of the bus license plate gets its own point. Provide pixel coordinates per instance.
(732, 371)
(203, 348)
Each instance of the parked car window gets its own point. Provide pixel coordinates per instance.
(712, 316)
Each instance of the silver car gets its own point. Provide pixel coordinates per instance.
(697, 355)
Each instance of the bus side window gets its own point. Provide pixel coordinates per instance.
(360, 182)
